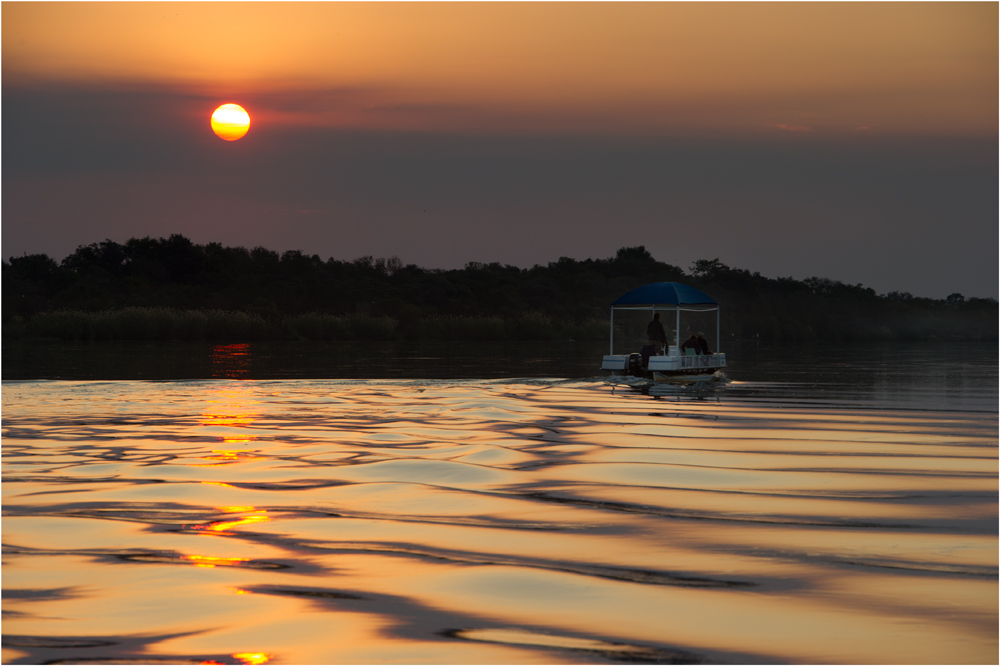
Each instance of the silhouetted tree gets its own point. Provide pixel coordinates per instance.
(177, 273)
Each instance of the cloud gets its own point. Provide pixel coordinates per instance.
(792, 128)
(297, 211)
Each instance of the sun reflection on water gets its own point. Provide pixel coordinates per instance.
(249, 520)
(253, 657)
(228, 457)
(231, 406)
(231, 361)
(256, 516)
(207, 562)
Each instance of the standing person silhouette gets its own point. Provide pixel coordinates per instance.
(656, 335)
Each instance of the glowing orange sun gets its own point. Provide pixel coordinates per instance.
(230, 122)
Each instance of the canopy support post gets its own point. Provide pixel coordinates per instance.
(612, 352)
(718, 334)
(678, 340)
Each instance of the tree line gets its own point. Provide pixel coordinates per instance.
(175, 275)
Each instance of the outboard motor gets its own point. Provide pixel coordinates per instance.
(635, 365)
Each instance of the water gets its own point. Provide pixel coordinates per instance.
(299, 360)
(844, 512)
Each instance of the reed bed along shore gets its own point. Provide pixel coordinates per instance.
(139, 323)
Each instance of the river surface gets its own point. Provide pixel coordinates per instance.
(820, 504)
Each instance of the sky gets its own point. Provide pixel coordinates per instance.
(853, 141)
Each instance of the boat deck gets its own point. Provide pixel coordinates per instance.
(670, 364)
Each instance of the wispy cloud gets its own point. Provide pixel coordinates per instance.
(297, 211)
(791, 128)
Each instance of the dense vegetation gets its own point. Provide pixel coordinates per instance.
(171, 288)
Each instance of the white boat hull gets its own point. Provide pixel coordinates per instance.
(683, 379)
(671, 368)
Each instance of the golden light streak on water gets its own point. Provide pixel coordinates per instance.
(228, 457)
(249, 520)
(207, 562)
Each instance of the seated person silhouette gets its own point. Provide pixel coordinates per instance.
(704, 344)
(691, 346)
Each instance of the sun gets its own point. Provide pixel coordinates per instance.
(230, 122)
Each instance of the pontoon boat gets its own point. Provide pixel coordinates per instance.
(672, 366)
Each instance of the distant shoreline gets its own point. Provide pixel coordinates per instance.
(170, 324)
(172, 288)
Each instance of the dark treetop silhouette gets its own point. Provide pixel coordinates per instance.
(152, 288)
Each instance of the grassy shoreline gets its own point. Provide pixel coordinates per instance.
(166, 324)
(161, 323)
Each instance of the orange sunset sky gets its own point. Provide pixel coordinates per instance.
(874, 100)
(638, 67)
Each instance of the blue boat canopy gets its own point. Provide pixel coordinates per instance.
(665, 293)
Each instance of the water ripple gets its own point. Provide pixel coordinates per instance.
(316, 521)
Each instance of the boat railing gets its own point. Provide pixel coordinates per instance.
(678, 362)
(700, 360)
